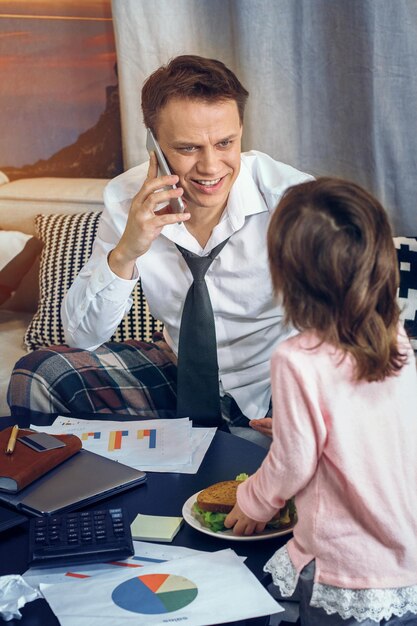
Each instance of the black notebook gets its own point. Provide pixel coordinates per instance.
(82, 479)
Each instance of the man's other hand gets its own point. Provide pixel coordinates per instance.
(263, 425)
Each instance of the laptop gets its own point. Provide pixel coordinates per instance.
(82, 479)
(10, 518)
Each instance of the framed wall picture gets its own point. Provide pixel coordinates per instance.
(59, 101)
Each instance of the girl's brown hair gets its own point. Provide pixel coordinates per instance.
(333, 262)
(191, 77)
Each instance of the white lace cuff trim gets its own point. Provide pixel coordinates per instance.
(361, 604)
(283, 572)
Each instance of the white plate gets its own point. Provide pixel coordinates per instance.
(268, 533)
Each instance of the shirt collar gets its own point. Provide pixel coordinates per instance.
(245, 198)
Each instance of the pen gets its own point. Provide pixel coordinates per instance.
(12, 440)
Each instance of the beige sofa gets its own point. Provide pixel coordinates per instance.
(20, 202)
(59, 218)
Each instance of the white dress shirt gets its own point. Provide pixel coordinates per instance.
(248, 319)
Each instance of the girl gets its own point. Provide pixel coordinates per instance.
(344, 392)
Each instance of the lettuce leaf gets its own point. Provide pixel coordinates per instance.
(214, 521)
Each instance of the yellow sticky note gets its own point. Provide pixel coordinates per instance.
(155, 527)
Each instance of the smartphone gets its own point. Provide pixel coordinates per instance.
(176, 204)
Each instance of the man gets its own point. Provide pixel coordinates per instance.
(195, 108)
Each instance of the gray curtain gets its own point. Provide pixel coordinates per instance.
(333, 83)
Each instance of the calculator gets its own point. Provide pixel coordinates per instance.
(80, 537)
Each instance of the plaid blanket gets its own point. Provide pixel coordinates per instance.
(132, 378)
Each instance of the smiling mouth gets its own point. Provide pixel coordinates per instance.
(207, 183)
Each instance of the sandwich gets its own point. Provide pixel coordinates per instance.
(215, 502)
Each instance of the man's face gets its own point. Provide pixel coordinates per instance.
(202, 144)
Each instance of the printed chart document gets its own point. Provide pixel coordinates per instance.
(178, 590)
(157, 445)
(146, 553)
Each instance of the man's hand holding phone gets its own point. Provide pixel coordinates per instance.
(145, 222)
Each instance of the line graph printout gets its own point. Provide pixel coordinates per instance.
(159, 445)
(140, 444)
(176, 591)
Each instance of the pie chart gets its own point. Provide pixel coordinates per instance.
(154, 593)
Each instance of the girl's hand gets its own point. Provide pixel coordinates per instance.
(263, 425)
(241, 523)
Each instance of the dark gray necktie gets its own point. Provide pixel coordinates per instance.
(198, 371)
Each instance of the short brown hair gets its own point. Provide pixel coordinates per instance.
(194, 78)
(333, 261)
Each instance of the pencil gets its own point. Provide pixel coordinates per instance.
(12, 440)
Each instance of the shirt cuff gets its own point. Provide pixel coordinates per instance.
(110, 286)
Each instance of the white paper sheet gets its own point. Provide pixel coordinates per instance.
(146, 554)
(194, 590)
(201, 439)
(161, 445)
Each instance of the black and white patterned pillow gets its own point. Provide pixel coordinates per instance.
(407, 293)
(68, 242)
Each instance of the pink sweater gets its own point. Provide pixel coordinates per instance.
(348, 451)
